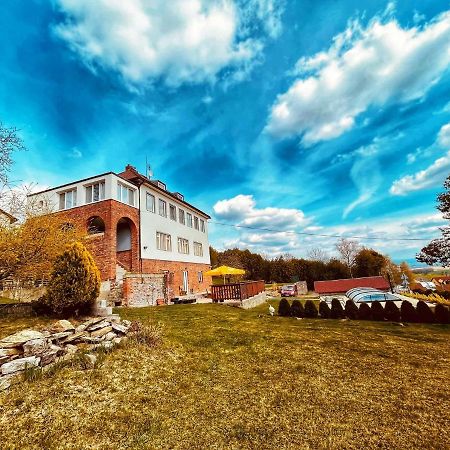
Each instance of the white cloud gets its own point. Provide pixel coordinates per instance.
(242, 210)
(268, 12)
(364, 67)
(178, 41)
(75, 153)
(444, 136)
(423, 226)
(433, 175)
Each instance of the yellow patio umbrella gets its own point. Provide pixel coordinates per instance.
(224, 270)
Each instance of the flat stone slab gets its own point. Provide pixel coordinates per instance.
(6, 352)
(18, 339)
(101, 332)
(20, 364)
(59, 336)
(97, 326)
(62, 325)
(120, 328)
(75, 337)
(34, 346)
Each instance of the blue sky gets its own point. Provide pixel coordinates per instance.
(298, 116)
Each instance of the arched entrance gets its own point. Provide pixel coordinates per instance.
(125, 238)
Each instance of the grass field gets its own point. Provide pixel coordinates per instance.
(226, 378)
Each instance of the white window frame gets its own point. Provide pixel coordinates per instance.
(162, 211)
(163, 241)
(189, 220)
(152, 199)
(64, 202)
(198, 249)
(181, 216)
(90, 192)
(125, 194)
(196, 223)
(202, 226)
(173, 208)
(200, 277)
(183, 246)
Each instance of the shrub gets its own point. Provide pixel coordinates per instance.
(310, 309)
(284, 308)
(351, 310)
(297, 309)
(408, 312)
(424, 312)
(441, 314)
(324, 310)
(337, 312)
(74, 283)
(377, 311)
(391, 312)
(149, 335)
(364, 312)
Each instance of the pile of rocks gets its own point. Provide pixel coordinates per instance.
(31, 348)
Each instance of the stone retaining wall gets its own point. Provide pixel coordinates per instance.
(30, 348)
(16, 309)
(254, 301)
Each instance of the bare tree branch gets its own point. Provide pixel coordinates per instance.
(9, 142)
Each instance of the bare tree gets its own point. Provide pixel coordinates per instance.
(348, 251)
(318, 254)
(9, 141)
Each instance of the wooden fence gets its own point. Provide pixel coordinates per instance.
(236, 291)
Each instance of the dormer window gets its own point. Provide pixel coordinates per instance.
(161, 185)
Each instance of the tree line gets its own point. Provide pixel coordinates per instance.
(353, 261)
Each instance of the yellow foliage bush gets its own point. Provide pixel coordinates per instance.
(435, 298)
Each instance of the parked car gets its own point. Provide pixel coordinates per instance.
(288, 291)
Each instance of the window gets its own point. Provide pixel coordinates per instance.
(163, 242)
(173, 212)
(125, 194)
(200, 277)
(95, 192)
(198, 249)
(68, 199)
(162, 208)
(196, 223)
(96, 225)
(189, 219)
(183, 246)
(151, 204)
(202, 225)
(181, 216)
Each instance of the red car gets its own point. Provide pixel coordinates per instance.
(288, 291)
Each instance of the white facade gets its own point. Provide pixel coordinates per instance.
(153, 222)
(51, 198)
(111, 186)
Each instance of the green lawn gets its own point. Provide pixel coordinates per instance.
(226, 378)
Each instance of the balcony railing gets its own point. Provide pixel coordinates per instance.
(236, 291)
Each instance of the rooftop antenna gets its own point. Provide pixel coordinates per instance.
(148, 169)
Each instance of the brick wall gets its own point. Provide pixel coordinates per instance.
(103, 245)
(175, 278)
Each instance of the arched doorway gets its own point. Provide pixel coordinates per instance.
(125, 237)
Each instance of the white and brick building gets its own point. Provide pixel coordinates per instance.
(136, 225)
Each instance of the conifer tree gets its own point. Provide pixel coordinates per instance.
(75, 282)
